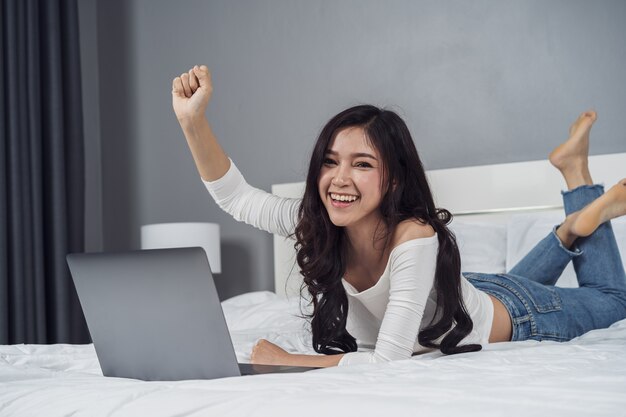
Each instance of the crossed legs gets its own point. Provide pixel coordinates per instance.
(570, 158)
(596, 257)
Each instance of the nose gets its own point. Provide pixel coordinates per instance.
(341, 177)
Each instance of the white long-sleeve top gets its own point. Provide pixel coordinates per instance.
(386, 317)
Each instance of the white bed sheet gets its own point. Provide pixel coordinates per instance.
(584, 377)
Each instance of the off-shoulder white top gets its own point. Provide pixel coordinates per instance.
(386, 318)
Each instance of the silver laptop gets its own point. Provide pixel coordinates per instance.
(155, 315)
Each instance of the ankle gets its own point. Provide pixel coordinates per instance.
(565, 235)
(576, 177)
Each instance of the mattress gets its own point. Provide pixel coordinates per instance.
(583, 377)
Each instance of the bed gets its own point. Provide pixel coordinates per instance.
(501, 211)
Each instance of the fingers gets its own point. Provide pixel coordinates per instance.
(260, 351)
(255, 351)
(180, 86)
(177, 87)
(260, 343)
(188, 83)
(203, 74)
(184, 78)
(193, 81)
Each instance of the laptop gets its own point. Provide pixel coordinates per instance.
(155, 315)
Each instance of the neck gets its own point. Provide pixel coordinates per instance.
(362, 244)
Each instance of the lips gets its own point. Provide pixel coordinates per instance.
(342, 200)
(343, 197)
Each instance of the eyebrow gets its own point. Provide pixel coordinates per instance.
(354, 155)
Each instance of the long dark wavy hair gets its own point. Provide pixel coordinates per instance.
(322, 247)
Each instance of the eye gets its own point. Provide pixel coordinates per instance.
(328, 161)
(362, 165)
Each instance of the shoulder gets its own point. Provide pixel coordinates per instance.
(411, 229)
(413, 257)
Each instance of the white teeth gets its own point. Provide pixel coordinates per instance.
(339, 197)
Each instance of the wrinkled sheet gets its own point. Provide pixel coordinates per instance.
(583, 377)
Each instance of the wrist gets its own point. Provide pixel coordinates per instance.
(320, 361)
(192, 121)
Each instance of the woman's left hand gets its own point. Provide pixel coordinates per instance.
(267, 353)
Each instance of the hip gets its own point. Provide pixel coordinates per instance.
(544, 312)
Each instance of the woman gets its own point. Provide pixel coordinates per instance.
(379, 261)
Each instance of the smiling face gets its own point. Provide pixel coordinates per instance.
(350, 180)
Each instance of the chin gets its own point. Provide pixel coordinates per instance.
(336, 220)
(339, 221)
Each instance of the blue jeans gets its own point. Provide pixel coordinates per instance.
(541, 311)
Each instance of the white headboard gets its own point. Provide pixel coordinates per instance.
(485, 192)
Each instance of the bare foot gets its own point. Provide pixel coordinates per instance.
(610, 205)
(570, 157)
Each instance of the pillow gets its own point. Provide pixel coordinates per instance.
(525, 230)
(482, 246)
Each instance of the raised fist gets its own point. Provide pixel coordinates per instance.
(191, 92)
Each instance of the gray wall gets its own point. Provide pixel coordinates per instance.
(478, 82)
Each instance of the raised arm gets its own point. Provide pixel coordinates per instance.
(191, 92)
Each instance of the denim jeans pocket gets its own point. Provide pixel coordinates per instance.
(535, 309)
(542, 297)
